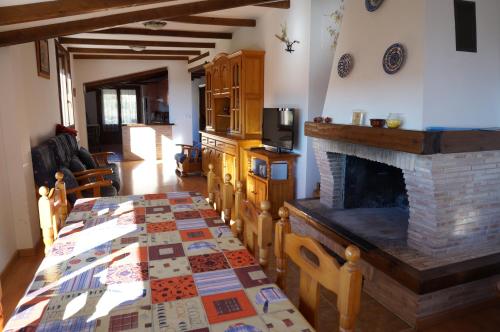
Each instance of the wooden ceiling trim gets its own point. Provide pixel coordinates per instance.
(127, 57)
(91, 50)
(56, 9)
(20, 36)
(199, 57)
(120, 42)
(167, 33)
(143, 75)
(208, 20)
(196, 69)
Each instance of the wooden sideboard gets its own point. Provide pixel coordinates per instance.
(275, 185)
(227, 153)
(234, 102)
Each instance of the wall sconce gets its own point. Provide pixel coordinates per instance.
(284, 38)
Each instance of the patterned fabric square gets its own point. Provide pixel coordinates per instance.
(86, 279)
(130, 254)
(195, 234)
(164, 238)
(158, 209)
(181, 200)
(247, 324)
(171, 267)
(127, 273)
(216, 282)
(62, 248)
(229, 244)
(84, 205)
(131, 319)
(191, 224)
(160, 227)
(150, 197)
(214, 222)
(187, 215)
(124, 322)
(70, 324)
(183, 207)
(181, 315)
(221, 231)
(209, 213)
(172, 289)
(252, 276)
(208, 262)
(240, 258)
(200, 247)
(268, 299)
(227, 306)
(159, 217)
(130, 218)
(165, 251)
(287, 320)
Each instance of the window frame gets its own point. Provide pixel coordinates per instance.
(63, 55)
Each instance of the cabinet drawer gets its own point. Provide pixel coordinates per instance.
(204, 140)
(211, 142)
(230, 149)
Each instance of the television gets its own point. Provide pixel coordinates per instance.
(278, 128)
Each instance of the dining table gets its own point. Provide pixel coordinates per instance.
(159, 262)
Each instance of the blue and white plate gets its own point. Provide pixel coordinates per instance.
(373, 5)
(394, 58)
(345, 65)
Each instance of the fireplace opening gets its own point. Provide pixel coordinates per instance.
(370, 184)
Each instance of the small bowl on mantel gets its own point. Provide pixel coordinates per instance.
(377, 123)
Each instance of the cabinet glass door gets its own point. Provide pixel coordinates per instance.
(236, 119)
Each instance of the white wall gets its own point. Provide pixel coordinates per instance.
(461, 89)
(367, 36)
(180, 96)
(29, 113)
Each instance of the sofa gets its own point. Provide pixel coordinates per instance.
(62, 153)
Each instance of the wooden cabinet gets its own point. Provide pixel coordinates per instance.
(271, 176)
(235, 93)
(227, 154)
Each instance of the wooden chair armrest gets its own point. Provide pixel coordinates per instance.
(95, 186)
(93, 171)
(103, 154)
(99, 175)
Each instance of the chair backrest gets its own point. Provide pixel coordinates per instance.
(256, 228)
(317, 267)
(53, 210)
(220, 193)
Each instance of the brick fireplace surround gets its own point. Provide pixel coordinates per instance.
(454, 223)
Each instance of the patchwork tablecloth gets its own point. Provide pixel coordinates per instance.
(162, 262)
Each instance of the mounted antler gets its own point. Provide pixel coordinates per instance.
(284, 38)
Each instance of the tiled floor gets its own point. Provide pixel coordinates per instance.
(153, 177)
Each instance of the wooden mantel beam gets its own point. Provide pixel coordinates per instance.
(285, 4)
(121, 42)
(128, 57)
(20, 36)
(167, 33)
(91, 50)
(208, 20)
(62, 8)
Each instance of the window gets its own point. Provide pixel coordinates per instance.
(465, 26)
(128, 103)
(65, 86)
(110, 107)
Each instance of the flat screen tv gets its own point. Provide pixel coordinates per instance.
(278, 128)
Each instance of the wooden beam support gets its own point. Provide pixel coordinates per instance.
(199, 68)
(285, 4)
(233, 22)
(143, 75)
(199, 57)
(126, 57)
(21, 36)
(120, 42)
(167, 33)
(131, 52)
(55, 9)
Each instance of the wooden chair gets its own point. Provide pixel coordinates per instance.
(189, 160)
(344, 280)
(214, 189)
(90, 181)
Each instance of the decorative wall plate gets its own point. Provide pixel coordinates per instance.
(394, 58)
(373, 5)
(345, 65)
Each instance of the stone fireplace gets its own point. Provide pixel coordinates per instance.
(424, 210)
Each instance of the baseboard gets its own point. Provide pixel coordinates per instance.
(434, 319)
(22, 253)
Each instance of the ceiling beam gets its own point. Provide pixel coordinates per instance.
(120, 42)
(126, 78)
(167, 33)
(285, 4)
(208, 20)
(199, 68)
(55, 9)
(20, 36)
(124, 51)
(126, 57)
(199, 57)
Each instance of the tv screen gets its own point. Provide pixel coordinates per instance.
(277, 127)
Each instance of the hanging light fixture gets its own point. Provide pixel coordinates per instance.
(137, 48)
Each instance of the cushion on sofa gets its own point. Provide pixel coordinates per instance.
(44, 165)
(76, 165)
(86, 158)
(72, 143)
(61, 150)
